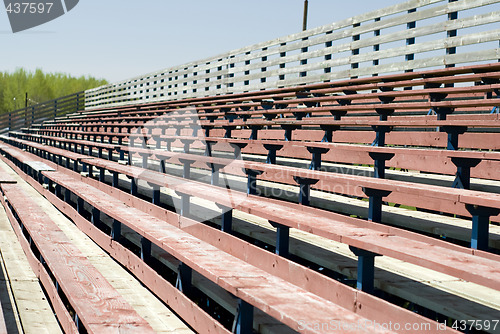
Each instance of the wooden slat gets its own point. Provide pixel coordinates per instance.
(93, 298)
(241, 279)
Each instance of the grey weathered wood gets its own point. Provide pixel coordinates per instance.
(39, 166)
(226, 72)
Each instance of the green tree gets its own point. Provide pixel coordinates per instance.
(40, 87)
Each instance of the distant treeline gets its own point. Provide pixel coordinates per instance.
(40, 87)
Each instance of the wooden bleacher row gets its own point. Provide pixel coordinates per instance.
(442, 161)
(94, 159)
(471, 198)
(80, 296)
(431, 79)
(428, 160)
(403, 193)
(307, 115)
(198, 255)
(453, 128)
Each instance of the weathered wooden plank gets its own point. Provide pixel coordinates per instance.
(219, 70)
(92, 297)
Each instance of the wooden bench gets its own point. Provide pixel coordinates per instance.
(252, 285)
(372, 241)
(234, 246)
(162, 215)
(95, 305)
(405, 193)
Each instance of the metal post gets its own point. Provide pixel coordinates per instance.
(282, 239)
(375, 203)
(116, 230)
(184, 278)
(366, 269)
(244, 318)
(145, 250)
(227, 220)
(306, 9)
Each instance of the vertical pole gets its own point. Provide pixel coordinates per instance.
(244, 318)
(116, 230)
(227, 220)
(26, 110)
(304, 21)
(366, 266)
(480, 232)
(145, 249)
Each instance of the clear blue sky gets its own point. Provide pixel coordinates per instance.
(117, 39)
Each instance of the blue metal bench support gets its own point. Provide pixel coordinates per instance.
(442, 112)
(282, 239)
(133, 186)
(95, 217)
(67, 196)
(208, 147)
(289, 130)
(252, 180)
(116, 230)
(102, 174)
(255, 132)
(110, 154)
(145, 250)
(58, 190)
(375, 203)
(185, 203)
(366, 269)
(243, 322)
(379, 160)
(115, 179)
(162, 168)
(215, 174)
(184, 279)
(237, 149)
(144, 160)
(80, 205)
(227, 220)
(156, 195)
(462, 176)
(304, 189)
(380, 134)
(453, 133)
(271, 152)
(480, 225)
(186, 167)
(187, 144)
(329, 129)
(229, 129)
(316, 156)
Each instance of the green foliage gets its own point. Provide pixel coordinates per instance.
(40, 87)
